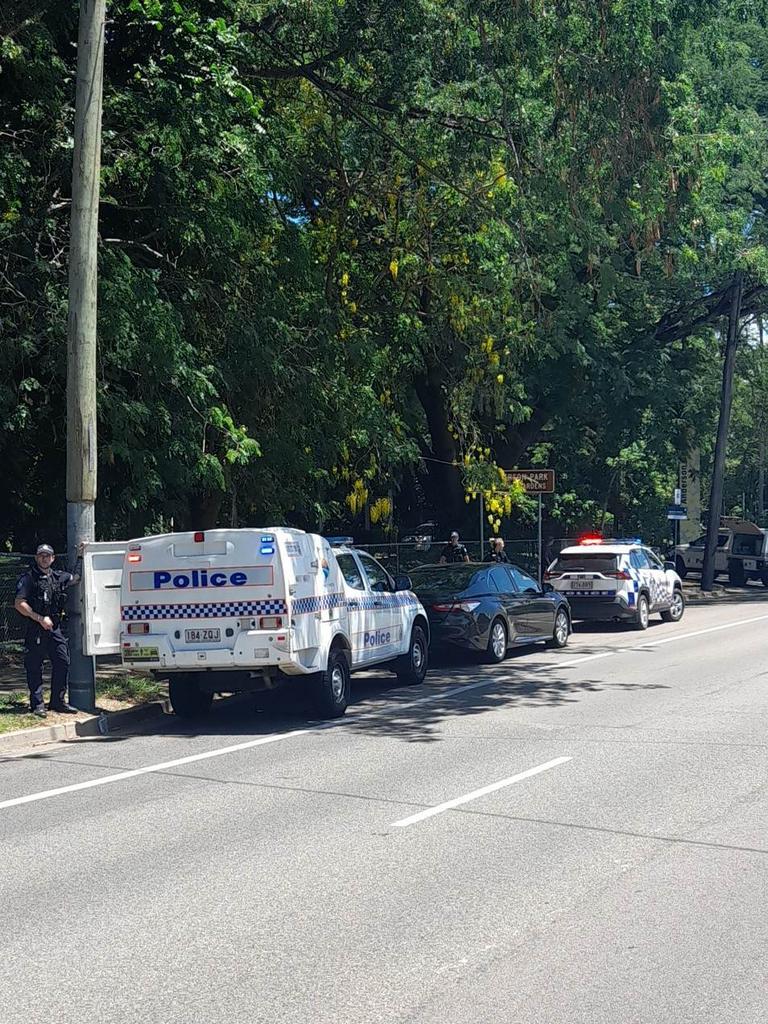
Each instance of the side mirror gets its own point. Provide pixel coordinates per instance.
(670, 565)
(548, 588)
(403, 583)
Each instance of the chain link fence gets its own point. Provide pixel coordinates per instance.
(401, 558)
(11, 623)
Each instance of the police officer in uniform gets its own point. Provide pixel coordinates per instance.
(41, 596)
(497, 552)
(453, 551)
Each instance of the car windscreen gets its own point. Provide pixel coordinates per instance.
(450, 578)
(588, 562)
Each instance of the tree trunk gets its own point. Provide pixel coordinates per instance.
(718, 472)
(204, 512)
(445, 486)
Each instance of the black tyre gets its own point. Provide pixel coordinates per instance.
(681, 568)
(643, 613)
(561, 631)
(676, 610)
(187, 699)
(496, 651)
(412, 667)
(736, 575)
(332, 687)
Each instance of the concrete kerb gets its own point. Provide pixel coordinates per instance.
(693, 595)
(97, 725)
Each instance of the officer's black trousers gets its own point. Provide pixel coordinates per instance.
(52, 645)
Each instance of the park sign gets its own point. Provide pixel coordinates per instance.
(534, 481)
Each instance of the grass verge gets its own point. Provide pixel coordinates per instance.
(131, 689)
(14, 712)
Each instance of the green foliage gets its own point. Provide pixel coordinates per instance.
(338, 237)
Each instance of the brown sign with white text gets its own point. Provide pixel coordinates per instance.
(534, 481)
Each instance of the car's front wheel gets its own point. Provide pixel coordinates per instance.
(675, 611)
(496, 651)
(562, 629)
(412, 667)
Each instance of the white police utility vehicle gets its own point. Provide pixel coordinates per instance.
(617, 580)
(226, 611)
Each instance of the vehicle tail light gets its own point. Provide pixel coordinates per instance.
(271, 622)
(552, 575)
(457, 606)
(199, 537)
(134, 558)
(138, 627)
(620, 574)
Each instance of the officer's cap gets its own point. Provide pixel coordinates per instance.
(44, 549)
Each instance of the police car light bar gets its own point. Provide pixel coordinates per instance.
(337, 542)
(591, 538)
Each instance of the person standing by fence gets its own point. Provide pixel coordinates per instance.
(497, 552)
(41, 595)
(454, 551)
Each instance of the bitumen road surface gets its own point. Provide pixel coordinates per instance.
(572, 837)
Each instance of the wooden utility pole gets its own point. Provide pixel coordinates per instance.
(81, 327)
(718, 471)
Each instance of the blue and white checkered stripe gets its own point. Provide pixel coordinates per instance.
(207, 610)
(317, 603)
(400, 600)
(233, 609)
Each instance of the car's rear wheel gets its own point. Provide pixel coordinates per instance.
(681, 568)
(643, 613)
(675, 611)
(333, 686)
(736, 575)
(412, 667)
(187, 699)
(562, 629)
(496, 651)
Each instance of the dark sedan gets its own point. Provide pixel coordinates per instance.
(489, 608)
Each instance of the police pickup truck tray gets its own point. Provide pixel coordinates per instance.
(202, 636)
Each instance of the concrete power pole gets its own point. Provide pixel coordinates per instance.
(81, 327)
(718, 471)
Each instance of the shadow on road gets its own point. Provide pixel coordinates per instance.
(458, 686)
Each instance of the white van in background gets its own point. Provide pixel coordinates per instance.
(225, 611)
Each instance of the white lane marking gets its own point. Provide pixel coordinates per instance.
(701, 632)
(46, 794)
(459, 800)
(442, 695)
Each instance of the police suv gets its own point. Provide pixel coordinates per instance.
(225, 611)
(617, 580)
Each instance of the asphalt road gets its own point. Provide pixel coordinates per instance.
(605, 857)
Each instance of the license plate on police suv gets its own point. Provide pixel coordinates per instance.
(582, 584)
(202, 636)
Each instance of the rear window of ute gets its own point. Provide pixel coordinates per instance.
(586, 563)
